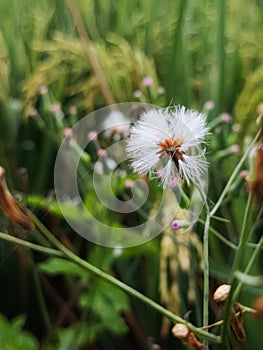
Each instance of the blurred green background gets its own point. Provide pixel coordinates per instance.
(204, 54)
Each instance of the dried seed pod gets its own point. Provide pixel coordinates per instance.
(221, 293)
(11, 208)
(182, 332)
(236, 323)
(257, 183)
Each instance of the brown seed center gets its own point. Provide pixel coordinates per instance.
(172, 148)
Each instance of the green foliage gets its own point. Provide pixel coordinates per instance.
(55, 266)
(107, 304)
(197, 51)
(247, 107)
(12, 337)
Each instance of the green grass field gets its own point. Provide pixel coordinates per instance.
(61, 61)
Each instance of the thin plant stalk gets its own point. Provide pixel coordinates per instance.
(249, 265)
(233, 176)
(94, 62)
(220, 53)
(110, 279)
(236, 264)
(206, 272)
(30, 245)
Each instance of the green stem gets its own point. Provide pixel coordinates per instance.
(30, 245)
(206, 272)
(236, 263)
(106, 277)
(233, 176)
(249, 265)
(219, 236)
(242, 241)
(220, 53)
(40, 299)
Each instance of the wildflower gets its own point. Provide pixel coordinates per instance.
(209, 105)
(92, 136)
(68, 132)
(225, 117)
(128, 183)
(147, 81)
(234, 149)
(166, 144)
(101, 152)
(175, 225)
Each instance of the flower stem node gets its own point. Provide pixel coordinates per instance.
(182, 332)
(221, 293)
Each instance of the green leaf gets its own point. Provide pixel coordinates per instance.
(78, 335)
(107, 302)
(55, 266)
(13, 338)
(249, 279)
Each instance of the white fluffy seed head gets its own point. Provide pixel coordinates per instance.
(165, 143)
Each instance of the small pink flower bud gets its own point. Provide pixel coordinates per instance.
(175, 225)
(128, 183)
(225, 117)
(68, 132)
(101, 152)
(147, 81)
(209, 105)
(234, 149)
(92, 136)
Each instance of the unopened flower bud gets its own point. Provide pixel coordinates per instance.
(221, 293)
(180, 330)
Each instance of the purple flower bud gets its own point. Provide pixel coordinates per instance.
(175, 225)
